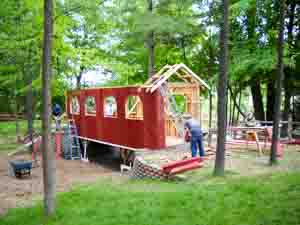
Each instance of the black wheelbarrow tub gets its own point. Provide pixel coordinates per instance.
(20, 164)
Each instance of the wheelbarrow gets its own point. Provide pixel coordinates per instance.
(20, 168)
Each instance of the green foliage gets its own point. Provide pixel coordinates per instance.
(181, 103)
(112, 34)
(247, 63)
(8, 134)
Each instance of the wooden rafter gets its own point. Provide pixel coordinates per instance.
(182, 77)
(155, 76)
(167, 71)
(195, 76)
(134, 106)
(164, 77)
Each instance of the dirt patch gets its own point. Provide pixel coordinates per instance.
(21, 192)
(240, 161)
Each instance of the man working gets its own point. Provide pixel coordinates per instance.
(57, 112)
(192, 127)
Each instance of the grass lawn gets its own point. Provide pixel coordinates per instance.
(8, 134)
(267, 199)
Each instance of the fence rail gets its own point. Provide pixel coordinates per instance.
(10, 117)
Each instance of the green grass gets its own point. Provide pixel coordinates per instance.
(272, 199)
(8, 134)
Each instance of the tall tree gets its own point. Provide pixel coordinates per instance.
(255, 88)
(270, 99)
(291, 6)
(29, 101)
(151, 45)
(48, 153)
(257, 97)
(222, 91)
(279, 81)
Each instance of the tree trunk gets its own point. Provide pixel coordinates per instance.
(210, 119)
(183, 49)
(290, 25)
(29, 100)
(280, 77)
(210, 74)
(48, 152)
(18, 134)
(78, 81)
(29, 110)
(258, 104)
(287, 97)
(233, 106)
(17, 108)
(229, 109)
(222, 92)
(79, 76)
(287, 108)
(151, 45)
(237, 105)
(270, 99)
(233, 113)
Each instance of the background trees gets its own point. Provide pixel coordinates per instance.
(126, 41)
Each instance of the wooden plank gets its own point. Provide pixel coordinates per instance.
(181, 169)
(110, 144)
(182, 85)
(165, 77)
(183, 78)
(157, 75)
(133, 107)
(195, 76)
(173, 70)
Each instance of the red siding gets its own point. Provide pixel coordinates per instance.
(147, 133)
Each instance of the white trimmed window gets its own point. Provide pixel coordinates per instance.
(90, 105)
(110, 107)
(75, 106)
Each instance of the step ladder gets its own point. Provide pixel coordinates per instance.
(171, 109)
(72, 151)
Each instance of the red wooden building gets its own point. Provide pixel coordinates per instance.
(108, 119)
(134, 117)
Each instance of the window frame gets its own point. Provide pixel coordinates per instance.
(71, 106)
(127, 109)
(91, 113)
(104, 107)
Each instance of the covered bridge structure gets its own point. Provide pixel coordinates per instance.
(147, 116)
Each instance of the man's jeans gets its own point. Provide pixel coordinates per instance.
(196, 142)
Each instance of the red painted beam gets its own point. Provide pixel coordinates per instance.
(184, 168)
(169, 166)
(291, 142)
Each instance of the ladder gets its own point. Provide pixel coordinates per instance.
(171, 109)
(73, 150)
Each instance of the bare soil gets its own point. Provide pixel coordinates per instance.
(21, 192)
(239, 160)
